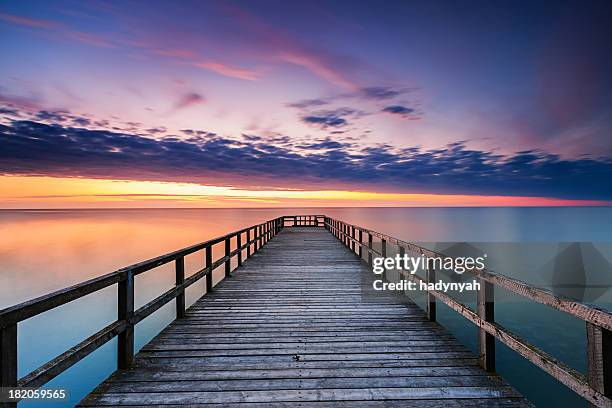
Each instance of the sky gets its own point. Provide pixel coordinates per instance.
(304, 103)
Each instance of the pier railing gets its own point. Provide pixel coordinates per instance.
(596, 387)
(245, 242)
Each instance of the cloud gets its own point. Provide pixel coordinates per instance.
(325, 121)
(398, 110)
(324, 144)
(28, 22)
(228, 70)
(308, 103)
(59, 28)
(188, 100)
(330, 118)
(34, 148)
(380, 92)
(279, 45)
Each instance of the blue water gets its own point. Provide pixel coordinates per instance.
(48, 250)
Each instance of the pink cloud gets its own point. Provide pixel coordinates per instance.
(29, 22)
(175, 53)
(316, 65)
(228, 70)
(282, 46)
(188, 100)
(62, 30)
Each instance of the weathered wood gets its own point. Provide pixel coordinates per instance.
(125, 311)
(208, 263)
(486, 311)
(599, 359)
(431, 299)
(587, 312)
(228, 267)
(59, 364)
(291, 322)
(8, 360)
(239, 245)
(571, 378)
(180, 278)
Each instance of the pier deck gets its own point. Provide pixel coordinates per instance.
(289, 328)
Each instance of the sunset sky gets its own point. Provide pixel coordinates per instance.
(335, 103)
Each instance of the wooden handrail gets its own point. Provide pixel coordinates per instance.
(255, 237)
(596, 387)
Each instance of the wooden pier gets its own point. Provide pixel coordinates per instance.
(289, 326)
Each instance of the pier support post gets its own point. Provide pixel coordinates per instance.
(228, 262)
(352, 238)
(8, 360)
(239, 246)
(486, 342)
(599, 359)
(431, 299)
(360, 246)
(370, 246)
(248, 238)
(125, 311)
(209, 275)
(180, 278)
(383, 251)
(256, 239)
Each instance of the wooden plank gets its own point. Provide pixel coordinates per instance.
(291, 327)
(224, 397)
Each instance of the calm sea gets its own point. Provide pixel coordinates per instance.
(41, 251)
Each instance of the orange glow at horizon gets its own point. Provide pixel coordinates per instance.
(48, 192)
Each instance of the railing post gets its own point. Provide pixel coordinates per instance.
(256, 239)
(239, 246)
(209, 275)
(8, 360)
(180, 278)
(402, 251)
(370, 246)
(248, 238)
(352, 238)
(599, 359)
(486, 342)
(431, 299)
(125, 311)
(228, 262)
(383, 251)
(360, 246)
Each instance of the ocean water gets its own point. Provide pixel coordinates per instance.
(42, 251)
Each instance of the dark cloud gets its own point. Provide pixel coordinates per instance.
(308, 103)
(9, 111)
(34, 148)
(325, 121)
(331, 118)
(156, 130)
(381, 92)
(81, 121)
(398, 110)
(187, 100)
(52, 116)
(324, 144)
